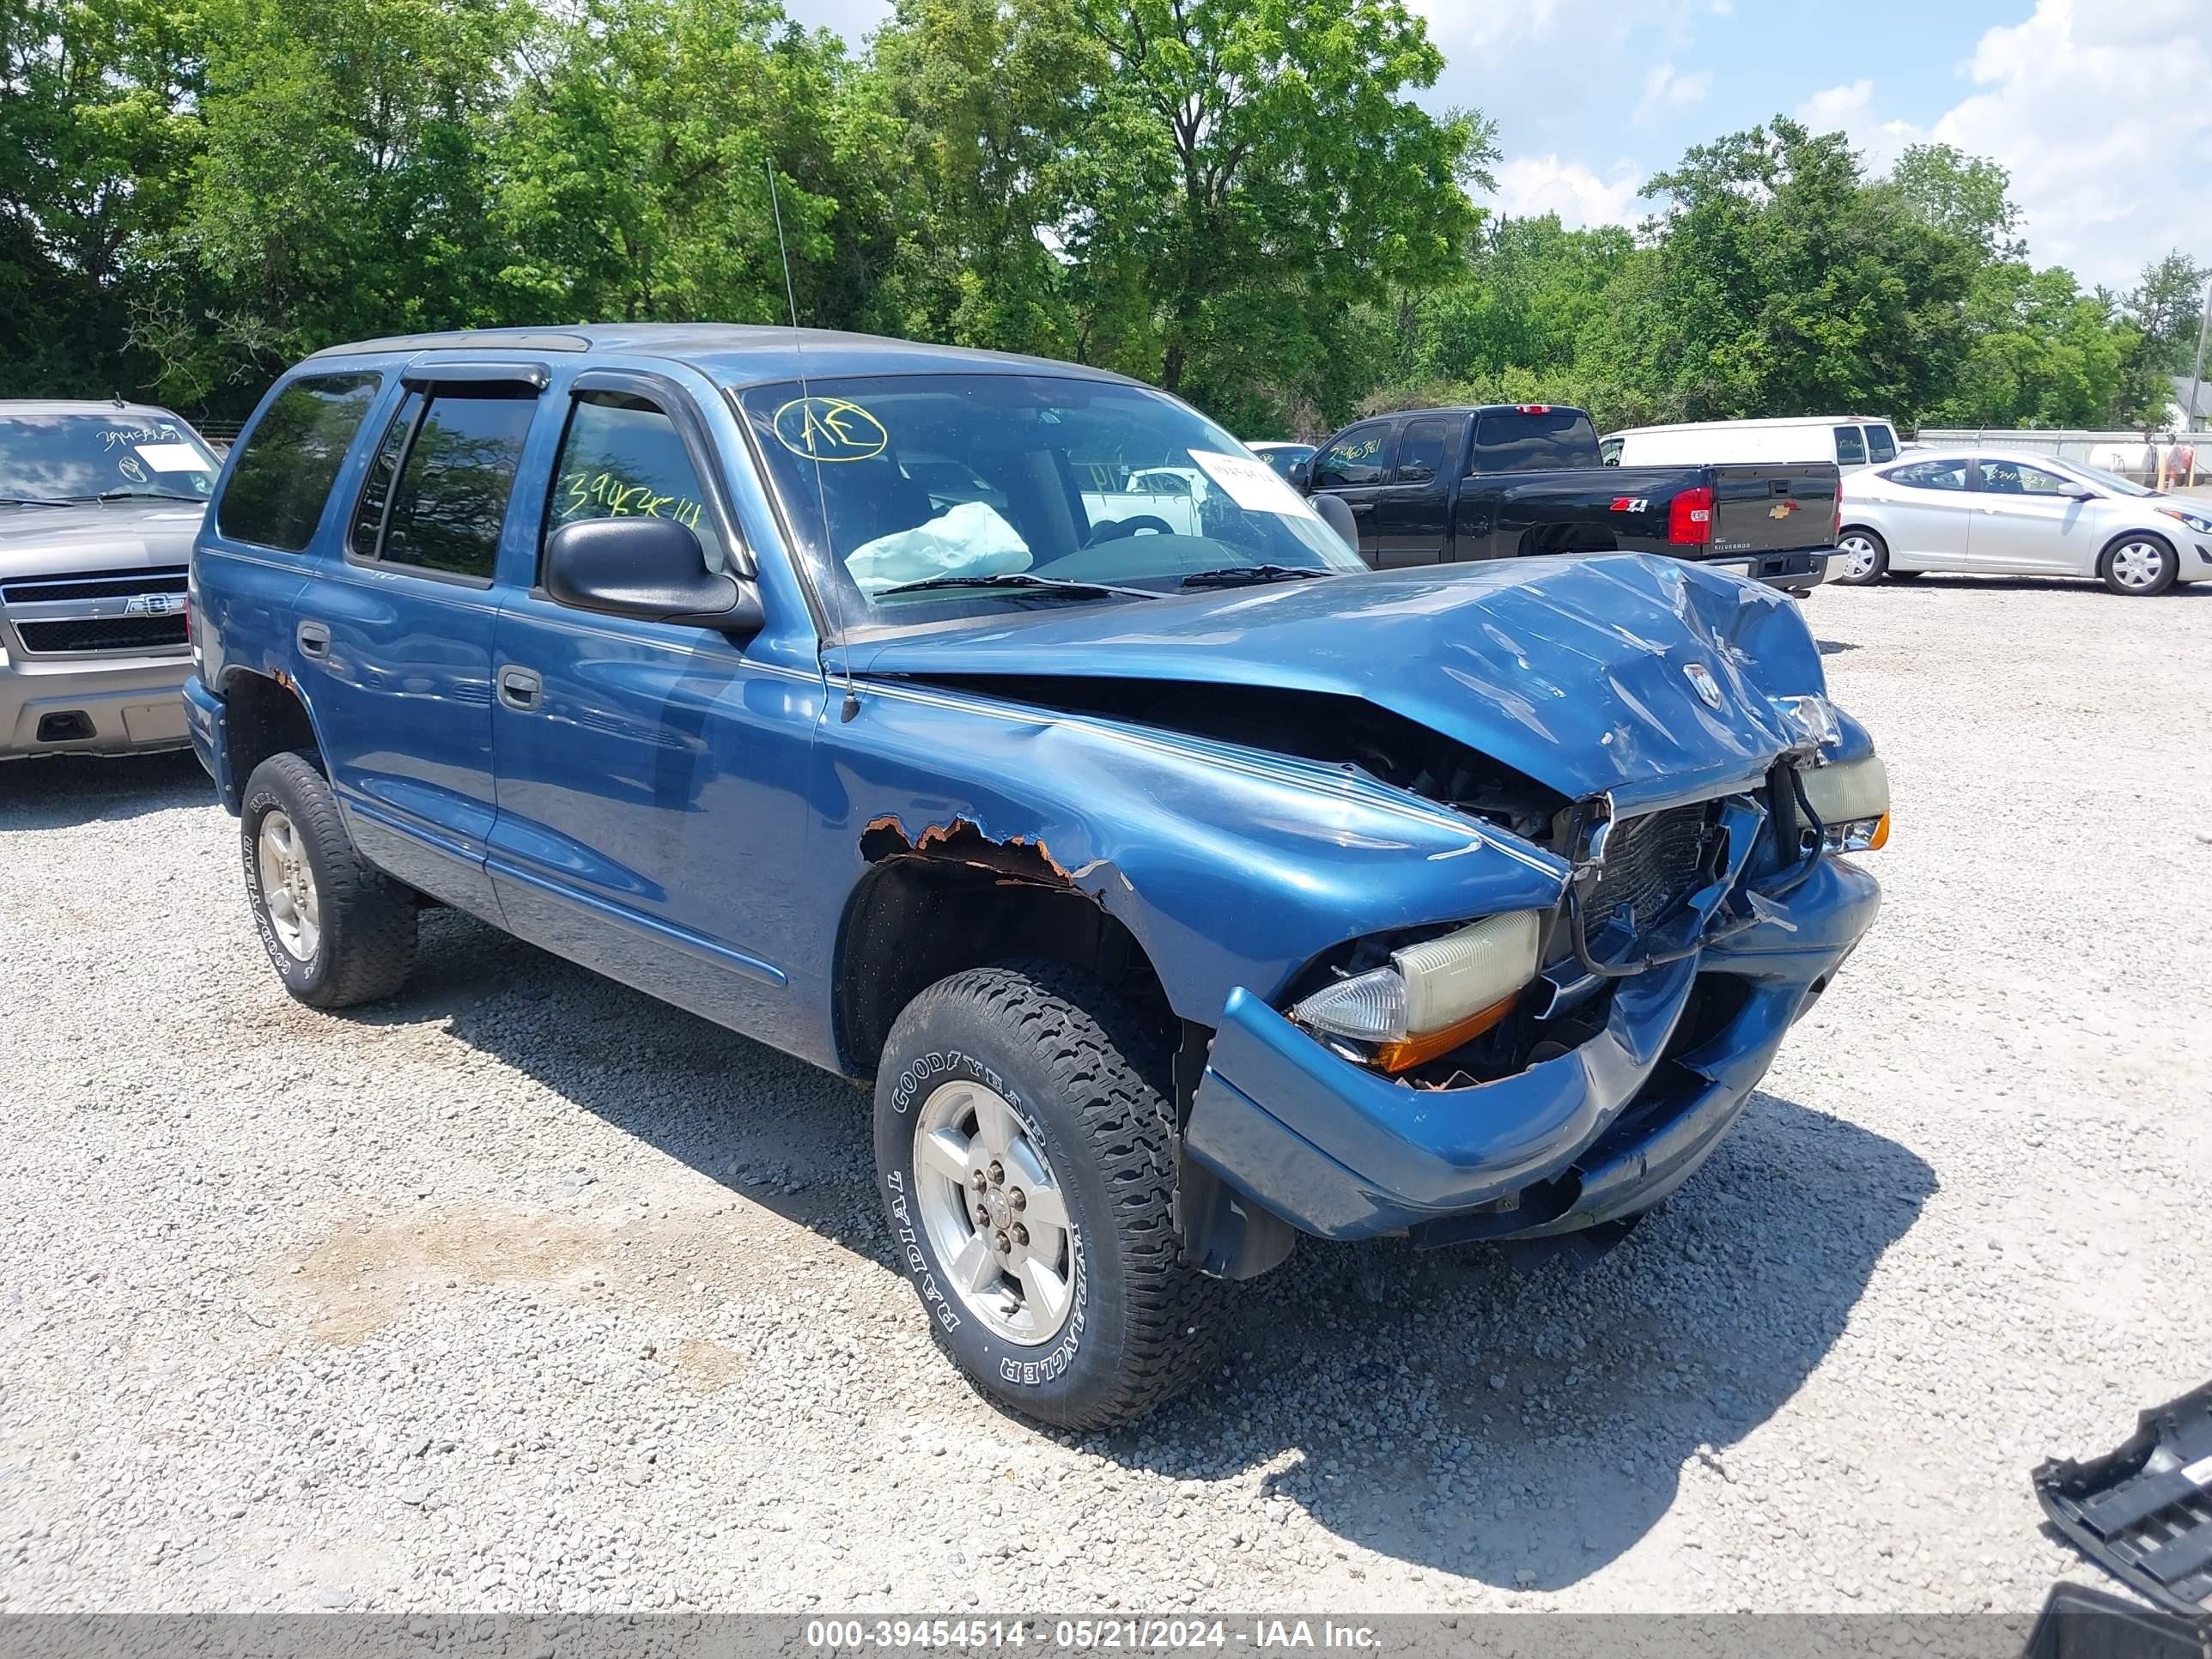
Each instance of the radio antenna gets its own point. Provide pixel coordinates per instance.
(852, 703)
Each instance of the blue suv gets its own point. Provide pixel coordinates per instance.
(1005, 733)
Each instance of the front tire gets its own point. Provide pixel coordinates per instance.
(337, 930)
(2139, 565)
(1025, 1151)
(1865, 557)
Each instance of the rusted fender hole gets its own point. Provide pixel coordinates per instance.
(962, 841)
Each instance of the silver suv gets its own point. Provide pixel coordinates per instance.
(99, 503)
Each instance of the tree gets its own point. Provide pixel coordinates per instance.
(1252, 169)
(1966, 195)
(631, 174)
(1781, 282)
(2042, 353)
(2167, 307)
(986, 98)
(97, 143)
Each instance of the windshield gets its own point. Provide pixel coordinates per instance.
(2112, 481)
(76, 455)
(1054, 490)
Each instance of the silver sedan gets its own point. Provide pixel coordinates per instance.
(1998, 513)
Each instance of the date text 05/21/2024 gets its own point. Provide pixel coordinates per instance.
(1090, 1635)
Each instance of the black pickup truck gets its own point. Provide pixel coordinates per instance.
(1435, 486)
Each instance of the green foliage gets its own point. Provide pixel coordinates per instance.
(2168, 308)
(1238, 199)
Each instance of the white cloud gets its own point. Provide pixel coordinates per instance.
(1850, 110)
(2099, 112)
(1530, 185)
(1665, 88)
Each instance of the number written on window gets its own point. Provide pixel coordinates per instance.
(623, 458)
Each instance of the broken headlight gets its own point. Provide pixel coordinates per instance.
(1851, 799)
(1433, 996)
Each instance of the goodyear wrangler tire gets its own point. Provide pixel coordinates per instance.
(337, 930)
(1026, 1160)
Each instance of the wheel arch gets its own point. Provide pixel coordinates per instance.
(267, 716)
(2140, 533)
(919, 915)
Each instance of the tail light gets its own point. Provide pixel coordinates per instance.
(1532, 409)
(1836, 524)
(1690, 519)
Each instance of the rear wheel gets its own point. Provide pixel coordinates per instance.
(337, 930)
(2140, 565)
(1025, 1151)
(1864, 557)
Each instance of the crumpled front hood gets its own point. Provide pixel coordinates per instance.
(54, 541)
(1574, 671)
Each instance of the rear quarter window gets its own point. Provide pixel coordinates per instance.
(283, 474)
(1533, 440)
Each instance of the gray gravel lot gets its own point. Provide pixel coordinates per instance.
(524, 1292)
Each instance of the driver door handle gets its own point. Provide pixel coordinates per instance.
(314, 639)
(521, 690)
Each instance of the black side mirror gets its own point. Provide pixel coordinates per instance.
(1338, 517)
(1302, 475)
(652, 568)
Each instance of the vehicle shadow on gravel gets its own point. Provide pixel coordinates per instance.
(1526, 1425)
(67, 790)
(1472, 1411)
(771, 1129)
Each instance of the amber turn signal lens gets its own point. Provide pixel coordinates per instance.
(1880, 835)
(1395, 1057)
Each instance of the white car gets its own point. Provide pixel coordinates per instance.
(1999, 514)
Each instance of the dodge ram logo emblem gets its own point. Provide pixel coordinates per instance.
(1709, 689)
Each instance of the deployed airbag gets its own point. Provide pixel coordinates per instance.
(972, 539)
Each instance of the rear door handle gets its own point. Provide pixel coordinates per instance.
(314, 639)
(520, 689)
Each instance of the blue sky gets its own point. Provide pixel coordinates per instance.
(2102, 109)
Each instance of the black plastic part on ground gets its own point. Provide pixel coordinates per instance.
(2079, 1623)
(2144, 1511)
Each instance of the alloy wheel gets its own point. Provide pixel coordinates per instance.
(995, 1216)
(287, 887)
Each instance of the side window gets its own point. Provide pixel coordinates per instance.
(1930, 475)
(376, 493)
(1881, 444)
(1361, 456)
(276, 493)
(437, 494)
(621, 458)
(1850, 447)
(2019, 478)
(1421, 450)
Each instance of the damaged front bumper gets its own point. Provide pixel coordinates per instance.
(1602, 1131)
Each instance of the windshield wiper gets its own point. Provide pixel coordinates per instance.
(145, 495)
(35, 500)
(1246, 575)
(1019, 579)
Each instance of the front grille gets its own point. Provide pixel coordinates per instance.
(93, 585)
(101, 634)
(1651, 864)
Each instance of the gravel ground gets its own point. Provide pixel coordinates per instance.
(524, 1292)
